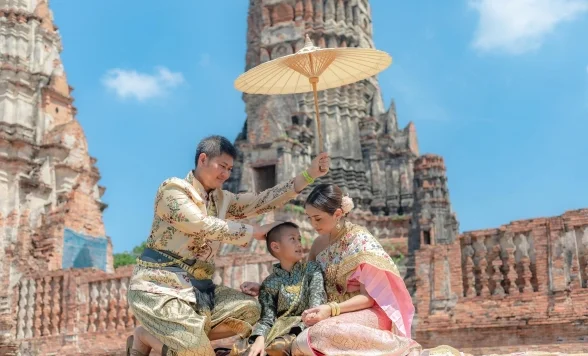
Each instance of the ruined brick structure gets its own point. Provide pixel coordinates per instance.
(374, 161)
(522, 286)
(50, 207)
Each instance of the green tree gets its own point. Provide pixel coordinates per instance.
(128, 258)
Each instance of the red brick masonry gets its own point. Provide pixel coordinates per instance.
(515, 288)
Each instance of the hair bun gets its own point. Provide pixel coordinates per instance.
(346, 204)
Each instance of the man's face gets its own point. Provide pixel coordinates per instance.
(214, 171)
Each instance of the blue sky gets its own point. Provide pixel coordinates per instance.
(499, 88)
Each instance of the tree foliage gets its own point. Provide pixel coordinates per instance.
(128, 258)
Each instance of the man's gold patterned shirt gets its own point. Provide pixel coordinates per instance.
(192, 223)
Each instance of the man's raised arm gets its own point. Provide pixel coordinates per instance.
(174, 206)
(246, 205)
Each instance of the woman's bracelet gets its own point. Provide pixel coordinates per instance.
(335, 308)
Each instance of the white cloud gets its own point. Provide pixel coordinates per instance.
(519, 26)
(141, 86)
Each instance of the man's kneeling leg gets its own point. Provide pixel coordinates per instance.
(234, 313)
(173, 322)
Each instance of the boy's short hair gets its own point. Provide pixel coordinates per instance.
(275, 234)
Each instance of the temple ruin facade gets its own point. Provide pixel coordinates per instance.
(374, 161)
(50, 200)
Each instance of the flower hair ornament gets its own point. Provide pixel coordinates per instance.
(346, 204)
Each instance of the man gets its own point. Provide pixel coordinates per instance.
(171, 291)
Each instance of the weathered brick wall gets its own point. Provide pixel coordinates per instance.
(513, 287)
(72, 312)
(67, 312)
(48, 180)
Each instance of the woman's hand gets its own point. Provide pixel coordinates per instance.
(250, 288)
(258, 347)
(314, 315)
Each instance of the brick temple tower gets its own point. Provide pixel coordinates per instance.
(279, 133)
(373, 160)
(50, 207)
(434, 221)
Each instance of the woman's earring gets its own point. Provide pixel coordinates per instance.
(338, 226)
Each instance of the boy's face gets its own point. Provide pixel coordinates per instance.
(288, 248)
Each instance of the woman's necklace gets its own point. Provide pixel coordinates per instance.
(333, 268)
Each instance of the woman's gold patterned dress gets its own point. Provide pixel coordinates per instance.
(384, 329)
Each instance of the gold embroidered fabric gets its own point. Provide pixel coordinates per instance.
(176, 323)
(199, 270)
(355, 246)
(348, 266)
(280, 346)
(364, 332)
(190, 222)
(285, 295)
(367, 332)
(193, 224)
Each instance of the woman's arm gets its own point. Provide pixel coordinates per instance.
(359, 302)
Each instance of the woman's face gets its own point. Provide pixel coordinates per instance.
(321, 221)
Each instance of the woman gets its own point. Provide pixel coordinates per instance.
(369, 309)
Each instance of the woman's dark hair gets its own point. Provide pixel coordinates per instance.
(325, 197)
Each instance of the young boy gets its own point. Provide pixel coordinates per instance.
(291, 288)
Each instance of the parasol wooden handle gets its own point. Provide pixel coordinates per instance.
(313, 82)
